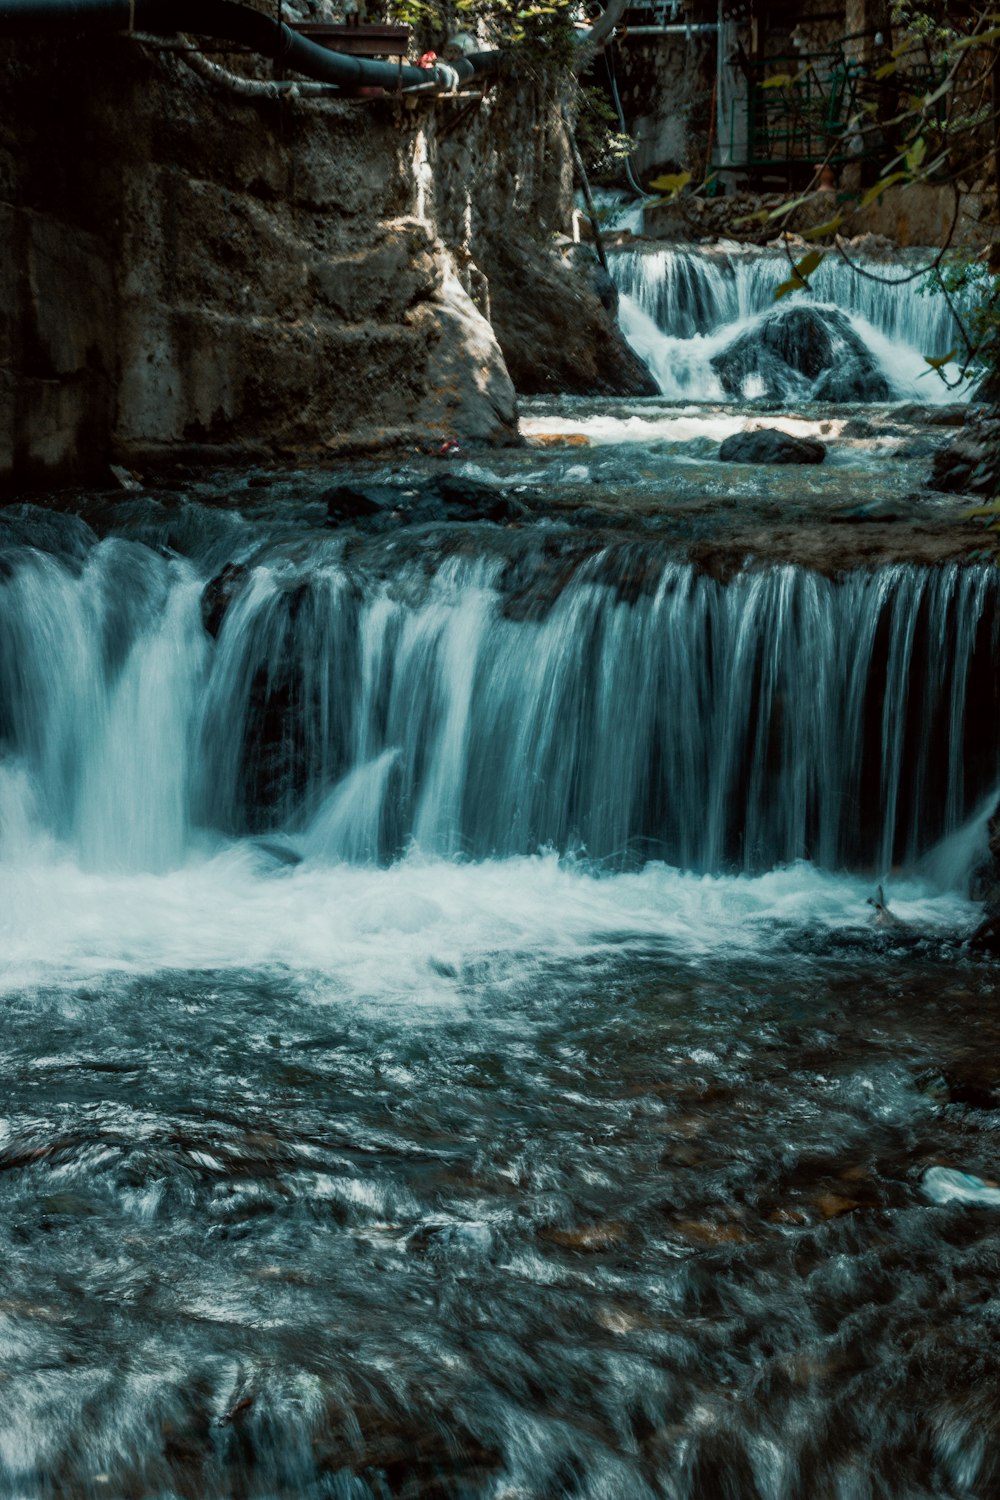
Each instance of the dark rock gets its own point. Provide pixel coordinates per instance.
(64, 536)
(802, 350)
(218, 594)
(584, 259)
(970, 1081)
(955, 415)
(347, 502)
(916, 448)
(971, 464)
(471, 500)
(768, 445)
(855, 380)
(555, 332)
(446, 497)
(282, 854)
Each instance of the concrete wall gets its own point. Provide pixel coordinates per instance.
(665, 85)
(193, 273)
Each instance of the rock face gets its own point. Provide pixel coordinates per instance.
(194, 274)
(769, 445)
(971, 464)
(556, 334)
(504, 193)
(801, 351)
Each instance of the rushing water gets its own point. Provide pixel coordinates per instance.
(448, 1048)
(682, 310)
(630, 709)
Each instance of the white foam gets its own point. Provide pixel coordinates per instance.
(408, 932)
(946, 1185)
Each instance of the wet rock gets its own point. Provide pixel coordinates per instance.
(347, 503)
(446, 497)
(471, 500)
(855, 380)
(64, 536)
(705, 1232)
(584, 260)
(955, 415)
(971, 464)
(218, 594)
(833, 1205)
(769, 445)
(788, 351)
(970, 1081)
(588, 1239)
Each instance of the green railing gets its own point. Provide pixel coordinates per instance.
(803, 119)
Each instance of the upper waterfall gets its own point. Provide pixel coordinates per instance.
(684, 309)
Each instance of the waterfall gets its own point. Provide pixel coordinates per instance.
(682, 308)
(641, 710)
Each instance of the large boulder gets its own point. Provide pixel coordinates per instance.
(769, 445)
(803, 351)
(552, 317)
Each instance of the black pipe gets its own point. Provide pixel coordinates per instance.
(234, 23)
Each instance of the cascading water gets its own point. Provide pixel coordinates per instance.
(683, 309)
(446, 1045)
(643, 711)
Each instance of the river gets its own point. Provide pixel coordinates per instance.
(449, 1046)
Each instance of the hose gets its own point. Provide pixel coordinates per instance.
(232, 22)
(609, 58)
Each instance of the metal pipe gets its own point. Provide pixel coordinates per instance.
(678, 30)
(235, 23)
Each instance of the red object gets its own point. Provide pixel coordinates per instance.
(428, 60)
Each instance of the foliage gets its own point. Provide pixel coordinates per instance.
(928, 112)
(602, 144)
(541, 29)
(973, 289)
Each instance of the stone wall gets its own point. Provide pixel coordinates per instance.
(504, 189)
(197, 275)
(665, 86)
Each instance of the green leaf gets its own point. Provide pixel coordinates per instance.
(778, 81)
(916, 154)
(786, 208)
(938, 93)
(982, 39)
(672, 183)
(880, 187)
(793, 284)
(945, 359)
(821, 231)
(807, 265)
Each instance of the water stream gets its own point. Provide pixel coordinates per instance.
(865, 325)
(448, 1046)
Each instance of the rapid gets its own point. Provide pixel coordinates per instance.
(449, 1047)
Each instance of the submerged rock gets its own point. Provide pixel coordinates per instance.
(769, 445)
(447, 497)
(347, 503)
(218, 594)
(64, 536)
